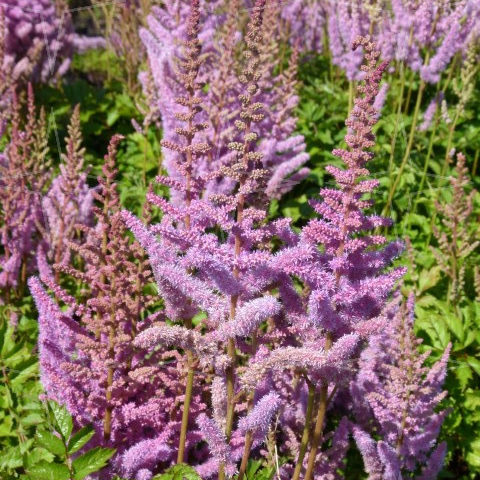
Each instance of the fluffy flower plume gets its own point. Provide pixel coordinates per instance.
(201, 331)
(456, 240)
(100, 377)
(347, 281)
(40, 40)
(259, 419)
(283, 152)
(423, 35)
(24, 172)
(69, 201)
(403, 395)
(343, 269)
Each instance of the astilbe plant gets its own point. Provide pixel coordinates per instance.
(397, 397)
(456, 238)
(162, 40)
(343, 273)
(283, 152)
(305, 23)
(39, 40)
(6, 80)
(223, 274)
(24, 172)
(93, 368)
(68, 202)
(423, 35)
(244, 336)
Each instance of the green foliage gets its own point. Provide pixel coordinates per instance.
(256, 470)
(61, 443)
(91, 462)
(178, 472)
(20, 409)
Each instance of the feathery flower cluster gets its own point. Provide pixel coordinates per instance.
(305, 23)
(342, 271)
(283, 151)
(402, 396)
(129, 397)
(39, 39)
(425, 35)
(24, 172)
(225, 278)
(68, 202)
(456, 239)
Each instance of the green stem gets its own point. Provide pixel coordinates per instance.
(145, 157)
(406, 156)
(306, 432)
(249, 434)
(397, 119)
(427, 161)
(409, 93)
(475, 163)
(350, 95)
(317, 432)
(322, 409)
(451, 131)
(246, 454)
(230, 374)
(186, 403)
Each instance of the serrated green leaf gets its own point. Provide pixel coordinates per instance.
(37, 455)
(10, 458)
(473, 456)
(464, 374)
(91, 461)
(8, 342)
(426, 301)
(26, 446)
(80, 438)
(63, 420)
(25, 371)
(429, 278)
(6, 427)
(455, 325)
(474, 363)
(48, 471)
(49, 441)
(179, 472)
(112, 117)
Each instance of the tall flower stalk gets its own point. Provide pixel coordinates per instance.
(337, 237)
(456, 239)
(96, 370)
(24, 174)
(68, 202)
(402, 395)
(188, 151)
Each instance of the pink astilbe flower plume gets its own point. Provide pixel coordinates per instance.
(403, 395)
(68, 202)
(40, 40)
(283, 151)
(217, 443)
(127, 396)
(259, 419)
(24, 173)
(343, 269)
(226, 276)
